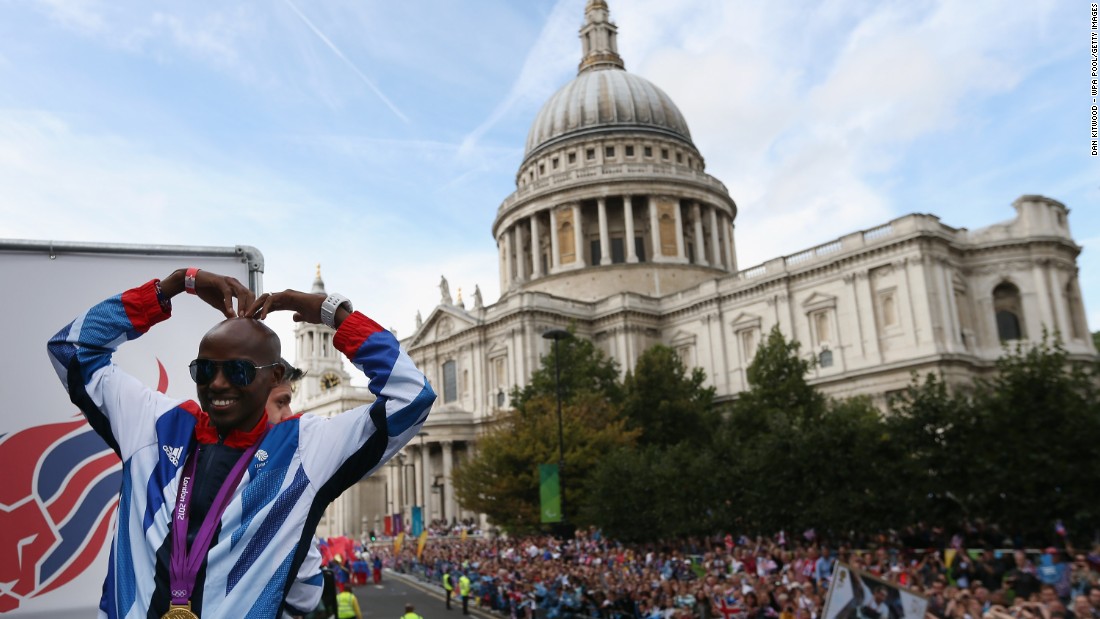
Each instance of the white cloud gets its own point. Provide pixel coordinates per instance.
(81, 15)
(553, 54)
(69, 184)
(806, 124)
(347, 61)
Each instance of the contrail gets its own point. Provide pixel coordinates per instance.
(340, 54)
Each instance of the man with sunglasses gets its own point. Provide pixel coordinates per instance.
(218, 506)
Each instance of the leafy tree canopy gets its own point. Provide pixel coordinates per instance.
(585, 369)
(666, 403)
(502, 479)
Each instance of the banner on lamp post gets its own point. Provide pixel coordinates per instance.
(417, 521)
(549, 493)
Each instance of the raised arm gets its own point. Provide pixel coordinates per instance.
(351, 445)
(116, 404)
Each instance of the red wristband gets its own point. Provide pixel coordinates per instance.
(189, 280)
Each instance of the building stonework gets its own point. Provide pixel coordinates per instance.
(616, 230)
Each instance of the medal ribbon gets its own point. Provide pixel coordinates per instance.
(184, 566)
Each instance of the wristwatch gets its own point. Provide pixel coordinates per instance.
(329, 307)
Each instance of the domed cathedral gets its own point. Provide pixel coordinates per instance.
(612, 195)
(616, 228)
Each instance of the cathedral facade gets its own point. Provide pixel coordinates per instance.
(616, 229)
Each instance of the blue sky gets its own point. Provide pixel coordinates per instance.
(378, 138)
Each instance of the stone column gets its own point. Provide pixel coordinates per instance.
(426, 481)
(578, 234)
(1043, 303)
(502, 262)
(715, 248)
(605, 246)
(390, 487)
(700, 243)
(1062, 312)
(506, 237)
(628, 217)
(555, 256)
(417, 473)
(654, 229)
(940, 280)
(517, 245)
(450, 509)
(731, 255)
(679, 232)
(536, 257)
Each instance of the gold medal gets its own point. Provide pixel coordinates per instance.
(179, 611)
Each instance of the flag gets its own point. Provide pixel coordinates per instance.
(423, 541)
(1060, 528)
(550, 493)
(418, 520)
(728, 608)
(397, 542)
(697, 568)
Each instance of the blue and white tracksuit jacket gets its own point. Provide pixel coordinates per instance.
(302, 464)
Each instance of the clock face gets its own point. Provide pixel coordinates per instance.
(329, 380)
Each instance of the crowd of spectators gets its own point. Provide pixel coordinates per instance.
(541, 577)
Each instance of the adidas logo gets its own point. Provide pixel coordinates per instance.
(173, 454)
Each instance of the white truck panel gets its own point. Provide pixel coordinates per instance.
(45, 286)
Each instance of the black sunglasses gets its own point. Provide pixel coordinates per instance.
(239, 372)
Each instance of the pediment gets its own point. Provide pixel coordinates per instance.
(818, 301)
(442, 323)
(745, 320)
(682, 338)
(496, 348)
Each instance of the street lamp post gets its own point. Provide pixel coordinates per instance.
(556, 335)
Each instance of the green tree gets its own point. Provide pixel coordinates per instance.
(1037, 430)
(665, 402)
(656, 492)
(584, 369)
(665, 487)
(756, 443)
(778, 396)
(502, 479)
(794, 459)
(938, 437)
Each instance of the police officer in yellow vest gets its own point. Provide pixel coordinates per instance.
(464, 591)
(347, 607)
(448, 587)
(409, 614)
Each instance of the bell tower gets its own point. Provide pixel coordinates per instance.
(315, 354)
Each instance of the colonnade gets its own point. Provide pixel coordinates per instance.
(564, 229)
(411, 479)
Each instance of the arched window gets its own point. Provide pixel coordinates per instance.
(825, 358)
(1008, 312)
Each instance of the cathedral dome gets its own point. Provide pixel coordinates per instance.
(604, 96)
(601, 99)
